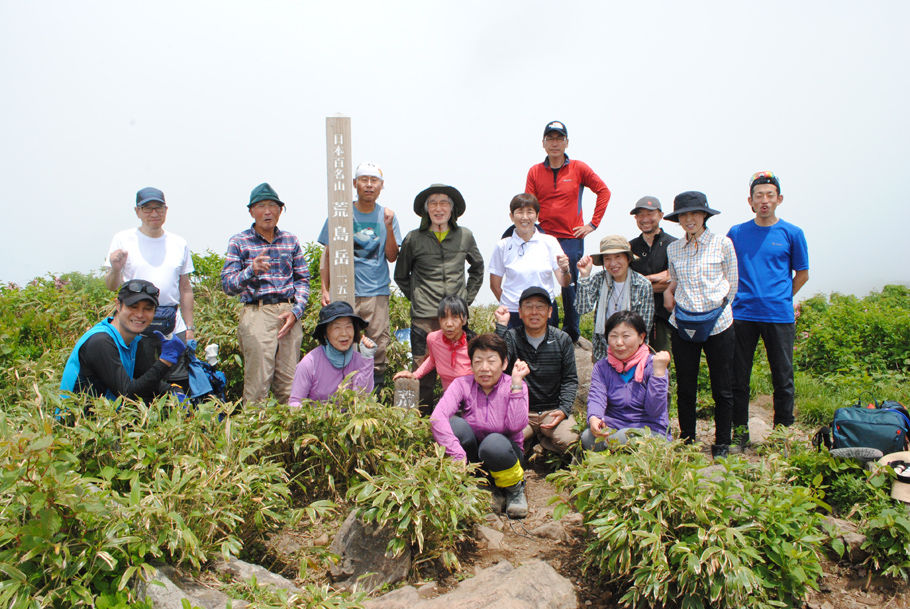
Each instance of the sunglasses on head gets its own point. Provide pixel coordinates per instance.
(768, 175)
(138, 287)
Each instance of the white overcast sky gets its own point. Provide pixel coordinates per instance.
(207, 99)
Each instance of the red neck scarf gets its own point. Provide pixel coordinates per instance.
(455, 346)
(639, 360)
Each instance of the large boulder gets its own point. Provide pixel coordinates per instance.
(362, 558)
(533, 585)
(166, 589)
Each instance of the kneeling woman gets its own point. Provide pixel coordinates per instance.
(629, 387)
(322, 370)
(492, 412)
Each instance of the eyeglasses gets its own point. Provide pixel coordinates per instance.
(139, 287)
(555, 138)
(265, 205)
(153, 209)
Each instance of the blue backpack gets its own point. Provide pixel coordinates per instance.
(883, 425)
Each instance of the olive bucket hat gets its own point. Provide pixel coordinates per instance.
(420, 200)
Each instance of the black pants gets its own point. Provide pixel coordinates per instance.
(718, 350)
(495, 453)
(778, 339)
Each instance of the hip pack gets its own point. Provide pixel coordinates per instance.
(696, 327)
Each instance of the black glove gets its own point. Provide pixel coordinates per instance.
(171, 348)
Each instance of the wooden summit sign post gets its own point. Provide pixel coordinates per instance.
(341, 216)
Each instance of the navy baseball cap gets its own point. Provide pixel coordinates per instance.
(533, 291)
(555, 127)
(149, 195)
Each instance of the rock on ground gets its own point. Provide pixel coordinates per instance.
(245, 571)
(167, 590)
(533, 585)
(363, 561)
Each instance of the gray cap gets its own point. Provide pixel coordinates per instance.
(149, 195)
(646, 203)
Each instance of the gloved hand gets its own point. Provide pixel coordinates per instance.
(177, 391)
(171, 348)
(367, 347)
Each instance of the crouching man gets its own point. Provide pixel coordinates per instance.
(110, 360)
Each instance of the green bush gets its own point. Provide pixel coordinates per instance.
(888, 543)
(430, 501)
(671, 534)
(846, 334)
(323, 444)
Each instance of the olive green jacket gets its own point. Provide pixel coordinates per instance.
(427, 270)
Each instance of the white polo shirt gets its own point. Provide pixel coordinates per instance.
(523, 264)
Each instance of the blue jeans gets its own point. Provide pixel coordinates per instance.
(778, 339)
(574, 249)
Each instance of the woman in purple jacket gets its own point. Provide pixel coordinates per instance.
(321, 371)
(492, 412)
(628, 387)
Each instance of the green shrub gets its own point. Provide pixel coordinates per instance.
(671, 534)
(61, 541)
(323, 444)
(888, 543)
(190, 485)
(430, 501)
(313, 597)
(845, 334)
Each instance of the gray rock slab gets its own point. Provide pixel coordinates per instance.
(166, 589)
(247, 571)
(363, 561)
(533, 585)
(758, 430)
(491, 538)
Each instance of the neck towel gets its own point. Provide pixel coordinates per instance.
(638, 360)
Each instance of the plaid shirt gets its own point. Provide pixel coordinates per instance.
(705, 273)
(288, 275)
(587, 297)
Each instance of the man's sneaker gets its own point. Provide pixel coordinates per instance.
(516, 502)
(720, 451)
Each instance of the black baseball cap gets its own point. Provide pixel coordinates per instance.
(134, 290)
(533, 291)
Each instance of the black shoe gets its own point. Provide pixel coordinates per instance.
(720, 451)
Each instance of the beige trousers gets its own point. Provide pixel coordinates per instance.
(555, 440)
(375, 310)
(267, 361)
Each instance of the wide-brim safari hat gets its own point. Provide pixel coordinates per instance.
(900, 463)
(691, 200)
(612, 244)
(457, 200)
(337, 310)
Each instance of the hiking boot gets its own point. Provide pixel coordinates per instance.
(720, 451)
(516, 502)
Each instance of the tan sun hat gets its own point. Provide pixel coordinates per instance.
(900, 462)
(613, 244)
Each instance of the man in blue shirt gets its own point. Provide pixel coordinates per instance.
(773, 262)
(376, 241)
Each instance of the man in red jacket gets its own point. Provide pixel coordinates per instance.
(558, 183)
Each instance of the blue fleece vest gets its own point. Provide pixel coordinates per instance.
(127, 356)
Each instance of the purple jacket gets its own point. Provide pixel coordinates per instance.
(502, 412)
(622, 404)
(317, 379)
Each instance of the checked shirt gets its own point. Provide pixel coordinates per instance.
(705, 273)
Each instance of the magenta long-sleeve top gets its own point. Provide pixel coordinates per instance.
(501, 411)
(621, 404)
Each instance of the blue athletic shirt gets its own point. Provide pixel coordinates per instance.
(767, 257)
(371, 270)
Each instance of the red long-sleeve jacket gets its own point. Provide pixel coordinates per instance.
(560, 194)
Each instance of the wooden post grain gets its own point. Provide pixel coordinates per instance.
(341, 217)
